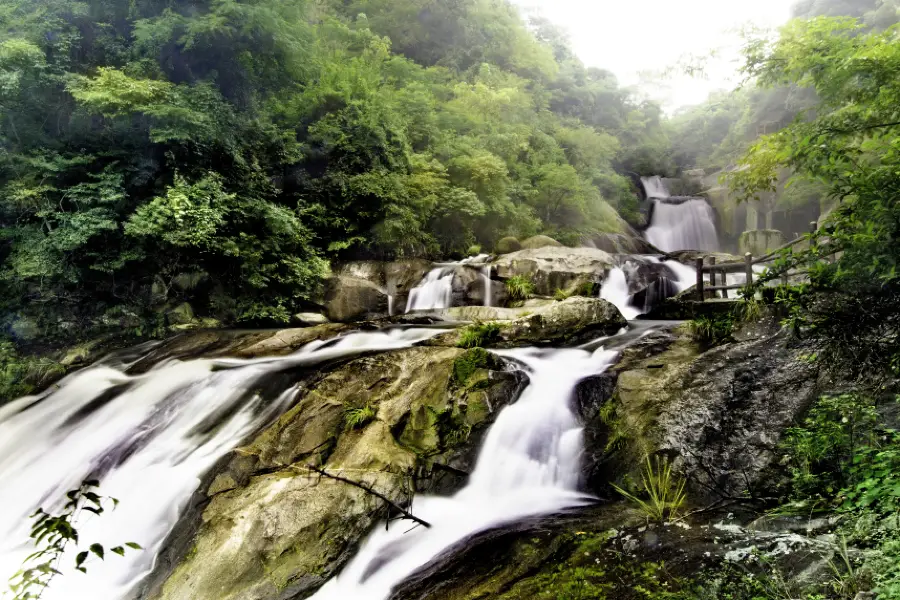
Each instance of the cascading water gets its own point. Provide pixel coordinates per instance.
(615, 290)
(619, 283)
(486, 276)
(436, 290)
(529, 465)
(148, 439)
(682, 223)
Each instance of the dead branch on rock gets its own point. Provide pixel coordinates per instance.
(367, 488)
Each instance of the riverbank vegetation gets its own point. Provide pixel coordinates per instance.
(223, 153)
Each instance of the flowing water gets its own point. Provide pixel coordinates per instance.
(148, 439)
(436, 290)
(529, 465)
(679, 223)
(617, 287)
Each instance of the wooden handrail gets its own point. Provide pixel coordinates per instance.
(747, 267)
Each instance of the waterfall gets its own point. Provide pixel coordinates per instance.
(655, 187)
(148, 439)
(679, 223)
(486, 275)
(529, 465)
(435, 291)
(620, 280)
(615, 291)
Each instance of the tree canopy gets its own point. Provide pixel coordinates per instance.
(226, 151)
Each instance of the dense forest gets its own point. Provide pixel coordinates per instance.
(226, 151)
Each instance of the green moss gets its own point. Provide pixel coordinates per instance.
(466, 365)
(479, 335)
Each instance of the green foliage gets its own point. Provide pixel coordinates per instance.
(662, 496)
(254, 141)
(479, 335)
(847, 145)
(52, 534)
(711, 330)
(20, 375)
(830, 451)
(358, 417)
(519, 288)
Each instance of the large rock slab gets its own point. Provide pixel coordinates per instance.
(608, 552)
(350, 298)
(719, 414)
(572, 321)
(269, 528)
(554, 268)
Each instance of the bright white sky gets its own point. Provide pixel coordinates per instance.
(639, 39)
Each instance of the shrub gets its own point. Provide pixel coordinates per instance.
(711, 330)
(664, 491)
(474, 250)
(519, 288)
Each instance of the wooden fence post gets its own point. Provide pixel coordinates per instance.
(712, 274)
(700, 279)
(748, 268)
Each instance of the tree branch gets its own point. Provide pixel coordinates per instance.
(406, 514)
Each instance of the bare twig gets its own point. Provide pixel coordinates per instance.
(406, 514)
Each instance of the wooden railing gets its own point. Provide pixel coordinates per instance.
(745, 267)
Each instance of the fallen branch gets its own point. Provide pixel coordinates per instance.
(406, 514)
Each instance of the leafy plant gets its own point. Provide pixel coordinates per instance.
(479, 335)
(662, 495)
(358, 417)
(711, 330)
(519, 288)
(52, 534)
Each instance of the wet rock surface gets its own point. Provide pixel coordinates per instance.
(268, 527)
(570, 322)
(608, 552)
(718, 414)
(555, 268)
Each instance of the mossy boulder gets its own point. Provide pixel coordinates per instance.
(273, 529)
(554, 268)
(572, 321)
(507, 245)
(540, 241)
(611, 553)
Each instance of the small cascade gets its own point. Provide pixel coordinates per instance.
(615, 291)
(486, 275)
(529, 465)
(148, 439)
(435, 291)
(635, 292)
(679, 223)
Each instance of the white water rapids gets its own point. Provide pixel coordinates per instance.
(529, 465)
(148, 439)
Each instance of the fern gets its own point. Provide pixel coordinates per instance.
(358, 417)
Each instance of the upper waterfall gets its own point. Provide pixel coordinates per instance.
(679, 223)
